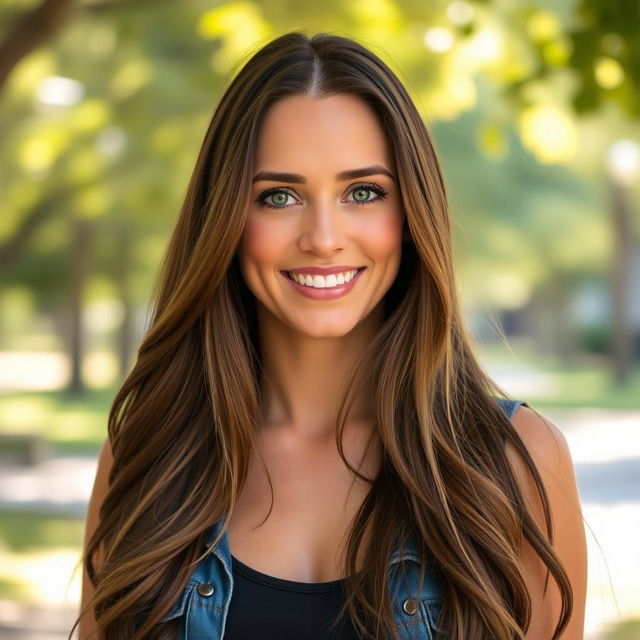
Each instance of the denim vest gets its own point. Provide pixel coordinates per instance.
(204, 602)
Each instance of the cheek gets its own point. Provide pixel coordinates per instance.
(261, 242)
(382, 235)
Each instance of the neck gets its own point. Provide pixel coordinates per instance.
(304, 377)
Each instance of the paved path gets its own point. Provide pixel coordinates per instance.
(605, 446)
(20, 622)
(59, 486)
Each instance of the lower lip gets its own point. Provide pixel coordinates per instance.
(328, 293)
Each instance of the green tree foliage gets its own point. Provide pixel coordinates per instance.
(101, 120)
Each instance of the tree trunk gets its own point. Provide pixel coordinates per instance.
(552, 330)
(78, 274)
(622, 344)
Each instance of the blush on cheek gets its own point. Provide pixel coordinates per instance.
(261, 242)
(382, 235)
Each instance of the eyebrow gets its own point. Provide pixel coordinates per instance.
(350, 174)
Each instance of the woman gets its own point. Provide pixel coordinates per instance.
(306, 431)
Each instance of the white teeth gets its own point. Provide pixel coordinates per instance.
(320, 282)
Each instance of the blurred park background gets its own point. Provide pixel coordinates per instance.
(534, 106)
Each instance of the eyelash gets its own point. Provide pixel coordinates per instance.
(369, 186)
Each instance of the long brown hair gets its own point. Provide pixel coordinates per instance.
(182, 425)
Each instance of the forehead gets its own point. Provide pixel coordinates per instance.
(305, 132)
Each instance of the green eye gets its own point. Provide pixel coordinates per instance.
(361, 193)
(278, 198)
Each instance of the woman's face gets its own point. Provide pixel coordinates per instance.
(324, 203)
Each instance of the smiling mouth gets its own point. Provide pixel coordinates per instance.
(323, 282)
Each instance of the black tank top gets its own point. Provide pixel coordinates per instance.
(270, 608)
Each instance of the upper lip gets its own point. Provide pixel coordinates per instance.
(323, 271)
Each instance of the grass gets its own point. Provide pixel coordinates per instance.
(27, 532)
(628, 630)
(14, 590)
(38, 558)
(590, 388)
(72, 424)
(588, 382)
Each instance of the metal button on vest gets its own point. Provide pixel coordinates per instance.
(205, 589)
(410, 606)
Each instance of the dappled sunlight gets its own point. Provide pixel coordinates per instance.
(38, 152)
(543, 25)
(46, 371)
(86, 165)
(77, 424)
(238, 25)
(556, 52)
(549, 133)
(57, 90)
(131, 77)
(484, 47)
(47, 577)
(104, 314)
(608, 72)
(101, 369)
(31, 72)
(92, 201)
(492, 140)
(460, 12)
(35, 371)
(438, 39)
(378, 12)
(509, 289)
(21, 413)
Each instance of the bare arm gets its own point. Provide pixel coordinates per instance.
(550, 452)
(87, 623)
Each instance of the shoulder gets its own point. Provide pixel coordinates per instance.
(543, 439)
(549, 450)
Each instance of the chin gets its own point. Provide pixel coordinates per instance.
(324, 329)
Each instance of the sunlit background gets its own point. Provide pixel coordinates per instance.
(534, 107)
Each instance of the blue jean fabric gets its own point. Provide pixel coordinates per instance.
(204, 602)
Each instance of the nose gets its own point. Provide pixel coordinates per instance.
(323, 230)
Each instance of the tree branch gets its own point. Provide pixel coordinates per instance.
(13, 247)
(28, 32)
(33, 28)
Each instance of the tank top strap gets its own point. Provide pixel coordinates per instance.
(510, 406)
